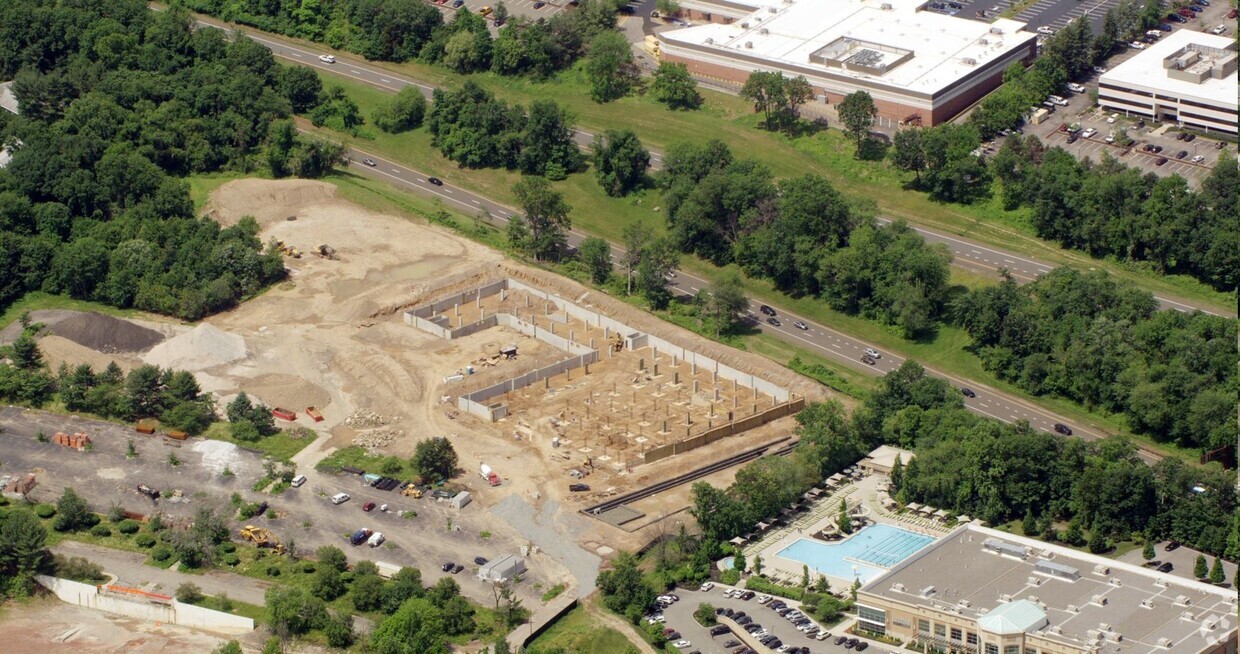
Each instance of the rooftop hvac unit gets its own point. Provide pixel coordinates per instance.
(996, 30)
(1005, 597)
(1034, 581)
(927, 591)
(710, 40)
(1104, 626)
(983, 41)
(1164, 642)
(1102, 569)
(1055, 629)
(1033, 598)
(1092, 635)
(886, 6)
(1160, 582)
(1209, 623)
(744, 26)
(1188, 615)
(1182, 600)
(1114, 636)
(969, 61)
(1147, 603)
(764, 31)
(1116, 581)
(1071, 608)
(965, 603)
(749, 45)
(773, 10)
(899, 588)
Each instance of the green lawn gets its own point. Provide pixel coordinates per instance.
(356, 456)
(576, 633)
(259, 614)
(730, 119)
(202, 185)
(281, 446)
(37, 300)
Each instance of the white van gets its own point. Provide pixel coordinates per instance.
(298, 481)
(376, 539)
(1058, 100)
(340, 498)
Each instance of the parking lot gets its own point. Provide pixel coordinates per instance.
(104, 475)
(679, 616)
(524, 8)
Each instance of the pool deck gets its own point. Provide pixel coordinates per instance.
(863, 492)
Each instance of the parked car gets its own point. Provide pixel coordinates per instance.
(706, 585)
(478, 560)
(1181, 154)
(1076, 88)
(1189, 138)
(1172, 545)
(340, 498)
(359, 536)
(298, 481)
(368, 507)
(457, 568)
(1099, 69)
(1198, 159)
(578, 488)
(447, 566)
(1160, 161)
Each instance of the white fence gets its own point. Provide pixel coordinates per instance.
(171, 612)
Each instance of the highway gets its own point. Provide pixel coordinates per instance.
(818, 338)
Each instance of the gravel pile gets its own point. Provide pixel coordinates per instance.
(363, 419)
(200, 348)
(105, 333)
(377, 439)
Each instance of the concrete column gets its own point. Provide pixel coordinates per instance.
(458, 308)
(695, 386)
(736, 400)
(656, 354)
(503, 294)
(714, 376)
(478, 300)
(676, 378)
(688, 418)
(572, 335)
(546, 383)
(591, 342)
(734, 386)
(664, 430)
(656, 370)
(587, 367)
(675, 360)
(716, 398)
(693, 368)
(641, 363)
(527, 300)
(552, 325)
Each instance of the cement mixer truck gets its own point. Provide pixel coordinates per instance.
(489, 475)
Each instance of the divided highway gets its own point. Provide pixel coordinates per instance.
(815, 337)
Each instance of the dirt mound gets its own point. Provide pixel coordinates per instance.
(58, 350)
(47, 317)
(286, 391)
(269, 201)
(105, 333)
(200, 348)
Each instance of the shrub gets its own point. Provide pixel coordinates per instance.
(308, 568)
(730, 576)
(228, 548)
(145, 540)
(232, 560)
(273, 571)
(128, 527)
(102, 531)
(44, 510)
(116, 513)
(189, 593)
(78, 569)
(161, 553)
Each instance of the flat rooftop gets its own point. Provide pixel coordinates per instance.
(1146, 70)
(974, 571)
(943, 48)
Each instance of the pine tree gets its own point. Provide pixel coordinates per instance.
(1200, 568)
(1147, 552)
(1217, 574)
(1074, 537)
(897, 474)
(1029, 524)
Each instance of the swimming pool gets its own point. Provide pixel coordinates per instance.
(865, 554)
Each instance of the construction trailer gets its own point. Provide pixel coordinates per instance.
(505, 568)
(460, 500)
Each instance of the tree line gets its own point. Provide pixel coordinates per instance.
(116, 102)
(803, 235)
(1103, 344)
(174, 397)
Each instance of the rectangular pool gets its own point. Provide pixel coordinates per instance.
(865, 555)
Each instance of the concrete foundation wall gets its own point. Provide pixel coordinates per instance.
(173, 612)
(723, 431)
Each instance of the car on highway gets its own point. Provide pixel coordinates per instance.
(1061, 428)
(873, 352)
(435, 180)
(327, 59)
(369, 162)
(967, 392)
(774, 322)
(868, 360)
(368, 507)
(766, 310)
(800, 325)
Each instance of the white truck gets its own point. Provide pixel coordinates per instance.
(376, 539)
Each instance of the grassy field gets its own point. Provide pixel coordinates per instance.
(281, 446)
(37, 300)
(356, 456)
(202, 185)
(728, 118)
(575, 632)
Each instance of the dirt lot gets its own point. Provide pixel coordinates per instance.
(332, 337)
(53, 627)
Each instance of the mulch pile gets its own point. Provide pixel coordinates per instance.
(105, 333)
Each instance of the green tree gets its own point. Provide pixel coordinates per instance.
(366, 592)
(339, 630)
(403, 113)
(330, 556)
(500, 15)
(609, 66)
(189, 593)
(1200, 567)
(301, 86)
(637, 239)
(757, 564)
(766, 91)
(620, 162)
(230, 647)
(23, 552)
(327, 584)
(1074, 536)
(675, 87)
(546, 214)
(72, 512)
(1217, 574)
(1147, 552)
(434, 459)
(406, 583)
(1098, 541)
(857, 112)
(722, 302)
(718, 514)
(657, 263)
(625, 591)
(596, 255)
(293, 612)
(415, 628)
(844, 521)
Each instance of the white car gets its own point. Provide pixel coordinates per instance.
(327, 59)
(1137, 45)
(1197, 159)
(1076, 88)
(1110, 138)
(1112, 118)
(340, 498)
(1089, 133)
(822, 635)
(683, 644)
(763, 599)
(1046, 30)
(706, 586)
(873, 353)
(1099, 69)
(784, 648)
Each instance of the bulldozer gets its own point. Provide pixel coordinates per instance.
(411, 490)
(287, 250)
(617, 343)
(262, 538)
(326, 251)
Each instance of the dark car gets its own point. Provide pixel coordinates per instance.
(369, 162)
(774, 322)
(1180, 136)
(456, 4)
(369, 506)
(578, 488)
(1189, 138)
(1181, 154)
(435, 180)
(1061, 428)
(457, 568)
(841, 640)
(850, 643)
(862, 645)
(675, 635)
(1172, 546)
(480, 560)
(539, 5)
(719, 630)
(1156, 149)
(744, 621)
(1160, 161)
(868, 360)
(732, 643)
(1166, 567)
(748, 595)
(447, 566)
(719, 610)
(968, 392)
(766, 310)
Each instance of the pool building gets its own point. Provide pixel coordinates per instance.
(981, 591)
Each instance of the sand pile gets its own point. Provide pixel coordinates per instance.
(200, 348)
(58, 350)
(286, 391)
(105, 333)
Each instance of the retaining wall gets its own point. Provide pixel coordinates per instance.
(173, 612)
(723, 431)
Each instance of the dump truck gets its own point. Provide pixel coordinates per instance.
(262, 538)
(489, 475)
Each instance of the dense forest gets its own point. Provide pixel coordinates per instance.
(1088, 338)
(406, 30)
(117, 102)
(991, 470)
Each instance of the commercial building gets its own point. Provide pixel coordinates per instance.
(883, 459)
(919, 66)
(502, 569)
(988, 592)
(1187, 78)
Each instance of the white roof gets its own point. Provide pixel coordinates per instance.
(942, 45)
(1013, 618)
(1145, 70)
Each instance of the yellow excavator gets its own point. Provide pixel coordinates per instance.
(262, 538)
(412, 490)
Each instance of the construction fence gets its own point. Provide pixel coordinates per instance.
(142, 605)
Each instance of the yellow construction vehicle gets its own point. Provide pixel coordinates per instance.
(326, 251)
(412, 491)
(262, 538)
(617, 343)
